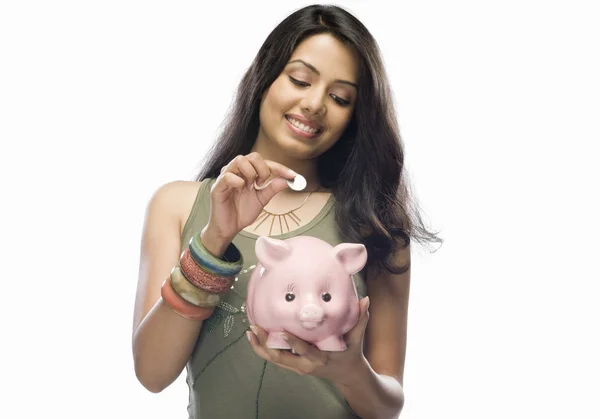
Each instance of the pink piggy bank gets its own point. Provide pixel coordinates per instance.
(304, 286)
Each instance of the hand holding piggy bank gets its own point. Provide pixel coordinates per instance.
(304, 286)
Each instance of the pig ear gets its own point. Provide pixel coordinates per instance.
(352, 256)
(270, 251)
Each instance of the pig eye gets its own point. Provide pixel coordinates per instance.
(326, 297)
(289, 297)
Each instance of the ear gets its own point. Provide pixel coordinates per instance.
(270, 251)
(352, 256)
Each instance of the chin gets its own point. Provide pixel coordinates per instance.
(300, 148)
(300, 151)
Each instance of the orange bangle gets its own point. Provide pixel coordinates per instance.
(181, 306)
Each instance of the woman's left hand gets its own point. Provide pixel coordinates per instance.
(308, 359)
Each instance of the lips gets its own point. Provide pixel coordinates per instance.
(304, 125)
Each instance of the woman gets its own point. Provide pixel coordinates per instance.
(314, 102)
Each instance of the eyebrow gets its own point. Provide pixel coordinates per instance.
(314, 70)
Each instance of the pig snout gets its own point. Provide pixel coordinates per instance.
(311, 315)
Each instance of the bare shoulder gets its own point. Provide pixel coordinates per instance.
(175, 198)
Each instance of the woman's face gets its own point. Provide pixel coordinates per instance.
(306, 109)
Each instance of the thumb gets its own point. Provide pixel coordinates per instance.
(356, 334)
(275, 186)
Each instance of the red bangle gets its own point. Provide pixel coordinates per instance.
(202, 279)
(182, 307)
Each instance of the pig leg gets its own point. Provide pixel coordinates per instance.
(274, 341)
(332, 343)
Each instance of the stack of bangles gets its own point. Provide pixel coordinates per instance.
(194, 288)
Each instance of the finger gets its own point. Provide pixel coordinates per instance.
(278, 169)
(281, 357)
(270, 188)
(356, 334)
(232, 166)
(246, 169)
(262, 335)
(262, 352)
(257, 347)
(227, 181)
(264, 185)
(303, 348)
(279, 182)
(260, 165)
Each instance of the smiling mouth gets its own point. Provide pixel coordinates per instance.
(302, 127)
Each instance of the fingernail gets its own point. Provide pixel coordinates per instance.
(293, 173)
(284, 336)
(368, 301)
(265, 184)
(249, 336)
(254, 330)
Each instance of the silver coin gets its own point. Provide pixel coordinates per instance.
(298, 184)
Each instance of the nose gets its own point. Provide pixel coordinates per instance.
(311, 313)
(314, 103)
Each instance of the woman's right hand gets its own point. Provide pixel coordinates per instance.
(235, 203)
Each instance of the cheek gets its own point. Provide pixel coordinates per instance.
(278, 99)
(339, 120)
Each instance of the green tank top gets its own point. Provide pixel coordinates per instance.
(226, 379)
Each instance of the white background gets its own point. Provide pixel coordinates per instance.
(498, 102)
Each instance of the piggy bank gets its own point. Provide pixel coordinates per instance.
(304, 286)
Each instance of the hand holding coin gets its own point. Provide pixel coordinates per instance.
(297, 184)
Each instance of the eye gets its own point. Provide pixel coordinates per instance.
(298, 82)
(289, 297)
(326, 297)
(340, 101)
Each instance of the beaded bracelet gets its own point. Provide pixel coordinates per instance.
(189, 292)
(182, 307)
(231, 265)
(202, 279)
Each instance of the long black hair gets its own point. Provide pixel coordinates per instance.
(365, 168)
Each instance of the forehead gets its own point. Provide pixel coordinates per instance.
(331, 57)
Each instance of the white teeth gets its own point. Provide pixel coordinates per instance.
(301, 126)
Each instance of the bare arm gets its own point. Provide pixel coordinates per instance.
(162, 340)
(376, 389)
